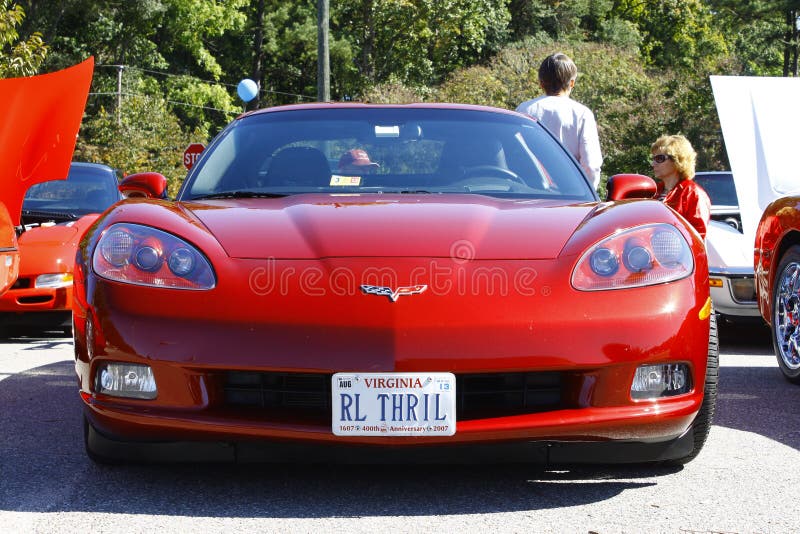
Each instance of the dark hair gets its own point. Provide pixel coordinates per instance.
(555, 73)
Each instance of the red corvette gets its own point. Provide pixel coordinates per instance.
(777, 272)
(41, 117)
(55, 214)
(386, 283)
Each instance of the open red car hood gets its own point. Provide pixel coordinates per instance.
(41, 116)
(466, 227)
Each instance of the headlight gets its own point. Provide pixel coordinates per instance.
(137, 254)
(641, 256)
(54, 280)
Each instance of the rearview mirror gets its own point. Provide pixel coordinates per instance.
(144, 184)
(627, 186)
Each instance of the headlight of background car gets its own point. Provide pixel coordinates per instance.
(53, 281)
(640, 256)
(142, 255)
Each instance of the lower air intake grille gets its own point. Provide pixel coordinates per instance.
(478, 396)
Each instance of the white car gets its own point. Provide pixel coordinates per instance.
(730, 253)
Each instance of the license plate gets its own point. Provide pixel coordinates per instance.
(394, 404)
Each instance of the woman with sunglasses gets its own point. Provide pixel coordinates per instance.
(673, 165)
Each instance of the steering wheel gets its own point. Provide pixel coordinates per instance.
(491, 171)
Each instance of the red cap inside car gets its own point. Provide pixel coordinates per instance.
(356, 158)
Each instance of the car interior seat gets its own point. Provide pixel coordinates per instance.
(461, 154)
(301, 166)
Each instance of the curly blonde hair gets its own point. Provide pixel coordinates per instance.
(680, 151)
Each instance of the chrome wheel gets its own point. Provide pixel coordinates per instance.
(786, 320)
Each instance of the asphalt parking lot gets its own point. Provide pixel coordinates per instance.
(745, 479)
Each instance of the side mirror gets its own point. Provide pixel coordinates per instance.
(144, 185)
(627, 186)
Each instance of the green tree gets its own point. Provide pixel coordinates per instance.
(18, 57)
(277, 47)
(767, 33)
(177, 37)
(142, 136)
(560, 19)
(374, 44)
(675, 33)
(418, 42)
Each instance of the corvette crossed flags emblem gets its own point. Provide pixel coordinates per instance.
(393, 294)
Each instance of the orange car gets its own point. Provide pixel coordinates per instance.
(41, 118)
(54, 216)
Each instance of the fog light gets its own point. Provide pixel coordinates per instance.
(126, 380)
(663, 380)
(54, 280)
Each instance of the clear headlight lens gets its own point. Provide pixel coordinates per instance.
(662, 380)
(126, 380)
(142, 255)
(641, 256)
(54, 280)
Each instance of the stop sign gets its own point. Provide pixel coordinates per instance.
(191, 154)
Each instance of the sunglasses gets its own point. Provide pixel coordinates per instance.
(661, 158)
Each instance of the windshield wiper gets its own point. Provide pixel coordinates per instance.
(40, 216)
(239, 194)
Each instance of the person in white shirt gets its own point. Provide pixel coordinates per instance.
(570, 121)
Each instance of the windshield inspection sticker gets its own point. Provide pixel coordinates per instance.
(337, 179)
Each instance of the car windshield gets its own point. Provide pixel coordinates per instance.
(354, 150)
(86, 190)
(719, 187)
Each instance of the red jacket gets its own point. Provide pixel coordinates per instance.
(692, 202)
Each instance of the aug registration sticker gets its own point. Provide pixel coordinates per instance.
(394, 404)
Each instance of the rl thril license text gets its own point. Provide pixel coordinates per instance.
(394, 404)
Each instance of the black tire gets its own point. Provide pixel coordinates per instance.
(93, 454)
(785, 323)
(701, 425)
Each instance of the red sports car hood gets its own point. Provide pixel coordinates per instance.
(48, 249)
(52, 248)
(41, 118)
(51, 236)
(468, 227)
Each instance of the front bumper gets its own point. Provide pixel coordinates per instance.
(733, 292)
(547, 453)
(23, 297)
(193, 339)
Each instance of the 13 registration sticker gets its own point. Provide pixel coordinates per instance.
(394, 404)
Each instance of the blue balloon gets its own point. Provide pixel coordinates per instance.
(247, 90)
